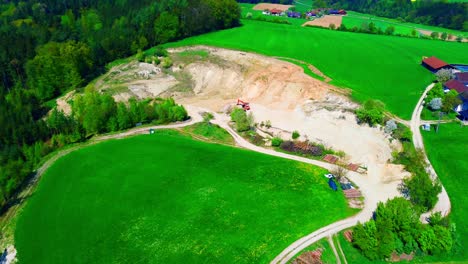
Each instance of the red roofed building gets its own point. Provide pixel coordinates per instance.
(456, 85)
(434, 64)
(275, 11)
(462, 77)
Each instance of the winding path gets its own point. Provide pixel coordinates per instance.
(443, 203)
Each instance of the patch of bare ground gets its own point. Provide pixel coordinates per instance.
(62, 103)
(325, 21)
(267, 6)
(312, 68)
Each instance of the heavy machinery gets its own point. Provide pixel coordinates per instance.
(244, 105)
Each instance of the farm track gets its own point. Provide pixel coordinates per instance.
(443, 203)
(332, 245)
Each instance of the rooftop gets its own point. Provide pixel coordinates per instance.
(435, 63)
(456, 85)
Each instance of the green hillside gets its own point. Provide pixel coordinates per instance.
(166, 198)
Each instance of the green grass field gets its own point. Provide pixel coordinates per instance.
(448, 153)
(374, 66)
(356, 19)
(166, 198)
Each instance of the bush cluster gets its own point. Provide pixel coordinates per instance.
(395, 227)
(371, 112)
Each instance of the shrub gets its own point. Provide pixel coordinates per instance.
(390, 126)
(276, 141)
(451, 100)
(436, 92)
(295, 134)
(371, 112)
(287, 146)
(160, 52)
(435, 104)
(140, 56)
(248, 15)
(207, 117)
(315, 151)
(166, 62)
(444, 75)
(240, 118)
(403, 133)
(268, 124)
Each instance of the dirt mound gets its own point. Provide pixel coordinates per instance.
(326, 21)
(266, 6)
(252, 77)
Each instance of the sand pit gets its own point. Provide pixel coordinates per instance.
(278, 91)
(252, 77)
(325, 21)
(267, 6)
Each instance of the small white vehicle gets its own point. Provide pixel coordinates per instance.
(329, 176)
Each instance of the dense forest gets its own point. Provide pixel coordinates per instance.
(50, 47)
(434, 13)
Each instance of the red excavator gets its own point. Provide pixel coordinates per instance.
(244, 105)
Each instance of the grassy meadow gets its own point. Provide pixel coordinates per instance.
(160, 201)
(448, 152)
(404, 28)
(374, 66)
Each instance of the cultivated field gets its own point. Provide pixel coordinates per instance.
(325, 21)
(448, 152)
(374, 66)
(160, 201)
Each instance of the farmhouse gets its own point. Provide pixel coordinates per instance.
(276, 12)
(434, 64)
(294, 14)
(462, 77)
(462, 89)
(462, 109)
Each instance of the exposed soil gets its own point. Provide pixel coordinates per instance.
(325, 21)
(62, 103)
(278, 91)
(265, 6)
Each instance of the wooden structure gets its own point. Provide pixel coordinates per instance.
(330, 158)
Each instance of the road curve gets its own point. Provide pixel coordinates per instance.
(443, 203)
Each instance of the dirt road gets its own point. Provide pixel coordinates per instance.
(443, 204)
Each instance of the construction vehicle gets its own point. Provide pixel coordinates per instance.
(244, 105)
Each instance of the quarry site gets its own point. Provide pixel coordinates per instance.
(214, 79)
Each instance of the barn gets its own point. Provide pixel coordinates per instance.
(434, 64)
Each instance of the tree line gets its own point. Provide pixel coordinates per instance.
(435, 13)
(50, 47)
